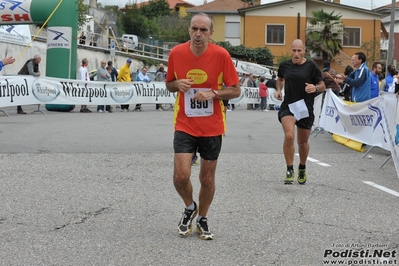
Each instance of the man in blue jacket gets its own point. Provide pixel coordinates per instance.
(376, 71)
(359, 79)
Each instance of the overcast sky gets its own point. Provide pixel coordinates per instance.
(356, 3)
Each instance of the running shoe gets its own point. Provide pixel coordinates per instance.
(186, 222)
(302, 176)
(289, 177)
(203, 229)
(194, 160)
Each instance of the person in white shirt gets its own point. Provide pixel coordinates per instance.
(83, 74)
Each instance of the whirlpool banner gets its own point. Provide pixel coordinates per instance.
(23, 90)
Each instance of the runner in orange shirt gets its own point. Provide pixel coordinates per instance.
(197, 71)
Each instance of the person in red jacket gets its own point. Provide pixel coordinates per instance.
(263, 93)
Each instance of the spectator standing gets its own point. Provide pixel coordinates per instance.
(271, 83)
(257, 81)
(82, 38)
(31, 67)
(381, 80)
(200, 124)
(345, 87)
(329, 78)
(142, 76)
(103, 75)
(159, 76)
(376, 71)
(263, 93)
(114, 72)
(124, 76)
(251, 83)
(164, 72)
(83, 75)
(301, 79)
(359, 79)
(389, 79)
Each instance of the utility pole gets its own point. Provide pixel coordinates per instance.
(391, 33)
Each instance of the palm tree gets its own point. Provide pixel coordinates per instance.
(324, 34)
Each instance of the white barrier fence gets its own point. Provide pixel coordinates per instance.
(374, 122)
(24, 90)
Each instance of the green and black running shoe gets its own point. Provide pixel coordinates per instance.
(302, 176)
(289, 177)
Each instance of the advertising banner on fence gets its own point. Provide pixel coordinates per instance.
(390, 117)
(361, 121)
(23, 90)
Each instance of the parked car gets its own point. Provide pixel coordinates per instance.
(130, 41)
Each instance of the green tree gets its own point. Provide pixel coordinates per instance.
(324, 35)
(155, 8)
(172, 28)
(372, 51)
(114, 11)
(143, 21)
(83, 11)
(260, 55)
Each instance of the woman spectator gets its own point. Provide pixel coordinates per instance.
(345, 87)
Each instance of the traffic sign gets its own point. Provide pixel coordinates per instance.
(112, 47)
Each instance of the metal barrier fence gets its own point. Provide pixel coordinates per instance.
(143, 49)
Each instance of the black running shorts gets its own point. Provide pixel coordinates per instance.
(208, 147)
(305, 123)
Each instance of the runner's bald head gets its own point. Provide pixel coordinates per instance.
(298, 42)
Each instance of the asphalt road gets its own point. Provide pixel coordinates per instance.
(96, 189)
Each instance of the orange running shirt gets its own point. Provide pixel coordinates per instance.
(209, 71)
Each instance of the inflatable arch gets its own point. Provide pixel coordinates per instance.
(62, 28)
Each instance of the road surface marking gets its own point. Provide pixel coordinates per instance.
(315, 161)
(390, 191)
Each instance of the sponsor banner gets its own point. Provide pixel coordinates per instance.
(246, 68)
(318, 100)
(248, 95)
(17, 34)
(59, 37)
(361, 121)
(390, 117)
(23, 90)
(15, 12)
